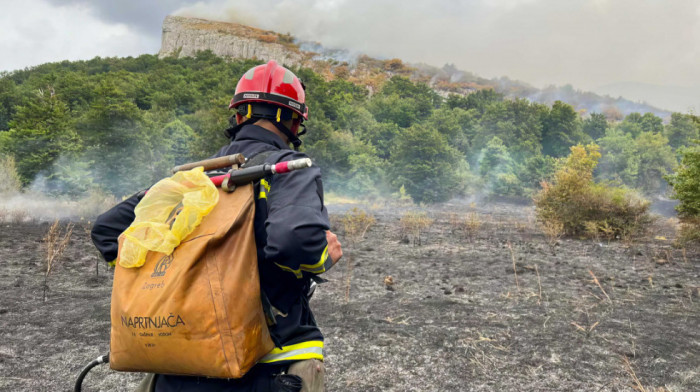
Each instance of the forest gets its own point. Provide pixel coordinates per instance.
(116, 125)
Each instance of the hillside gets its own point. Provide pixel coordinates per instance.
(184, 37)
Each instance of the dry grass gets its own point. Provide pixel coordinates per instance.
(688, 232)
(597, 282)
(539, 285)
(355, 224)
(636, 383)
(468, 225)
(15, 215)
(56, 242)
(244, 31)
(9, 179)
(553, 230)
(414, 223)
(515, 271)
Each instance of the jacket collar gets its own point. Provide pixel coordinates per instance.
(260, 134)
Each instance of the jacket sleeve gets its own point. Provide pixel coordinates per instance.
(108, 226)
(297, 220)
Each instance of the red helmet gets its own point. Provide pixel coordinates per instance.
(273, 84)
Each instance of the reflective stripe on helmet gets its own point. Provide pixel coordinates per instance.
(248, 97)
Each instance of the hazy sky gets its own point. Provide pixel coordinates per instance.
(588, 43)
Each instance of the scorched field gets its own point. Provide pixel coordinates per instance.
(461, 297)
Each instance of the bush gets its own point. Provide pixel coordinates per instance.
(586, 208)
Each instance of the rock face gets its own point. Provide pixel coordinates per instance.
(184, 37)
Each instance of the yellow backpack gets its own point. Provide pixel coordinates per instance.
(196, 311)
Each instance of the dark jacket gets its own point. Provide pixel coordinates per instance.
(290, 225)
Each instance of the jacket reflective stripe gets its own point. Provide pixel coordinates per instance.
(265, 188)
(265, 184)
(295, 352)
(322, 266)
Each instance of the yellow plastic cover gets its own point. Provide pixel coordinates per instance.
(168, 213)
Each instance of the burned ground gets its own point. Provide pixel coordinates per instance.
(584, 315)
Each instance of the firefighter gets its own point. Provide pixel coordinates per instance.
(294, 243)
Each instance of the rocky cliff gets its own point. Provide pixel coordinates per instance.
(184, 37)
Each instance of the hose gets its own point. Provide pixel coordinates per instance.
(100, 360)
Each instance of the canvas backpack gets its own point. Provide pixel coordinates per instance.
(198, 310)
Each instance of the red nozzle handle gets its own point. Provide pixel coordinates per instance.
(286, 167)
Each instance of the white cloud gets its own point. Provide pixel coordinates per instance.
(35, 32)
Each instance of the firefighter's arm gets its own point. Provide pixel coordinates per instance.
(297, 222)
(108, 226)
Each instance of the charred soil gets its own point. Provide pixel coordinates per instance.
(500, 307)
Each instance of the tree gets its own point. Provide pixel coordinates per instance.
(9, 99)
(632, 124)
(350, 165)
(394, 109)
(425, 97)
(638, 163)
(208, 126)
(117, 146)
(359, 121)
(620, 161)
(427, 166)
(686, 189)
(561, 130)
(656, 159)
(536, 169)
(686, 182)
(478, 100)
(41, 131)
(497, 169)
(517, 123)
(681, 130)
(635, 124)
(458, 126)
(595, 126)
(652, 123)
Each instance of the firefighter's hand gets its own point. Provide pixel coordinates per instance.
(334, 248)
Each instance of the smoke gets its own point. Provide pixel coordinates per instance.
(33, 206)
(586, 43)
(68, 190)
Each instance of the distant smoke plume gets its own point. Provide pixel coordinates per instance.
(586, 43)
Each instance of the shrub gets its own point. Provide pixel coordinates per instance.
(586, 208)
